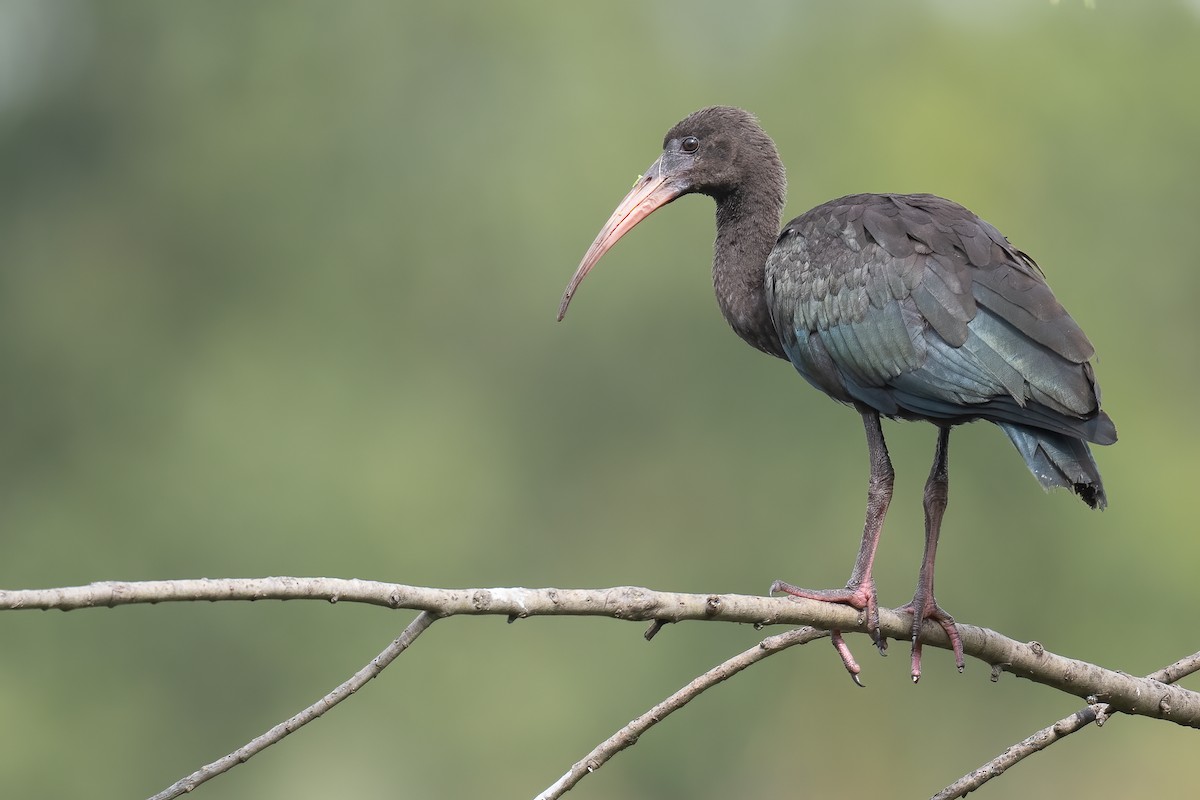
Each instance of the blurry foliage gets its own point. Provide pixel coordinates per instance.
(277, 291)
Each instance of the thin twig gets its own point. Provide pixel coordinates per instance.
(1125, 693)
(629, 734)
(275, 734)
(1047, 736)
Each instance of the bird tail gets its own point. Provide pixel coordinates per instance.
(1059, 460)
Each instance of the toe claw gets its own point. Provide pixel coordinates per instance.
(843, 650)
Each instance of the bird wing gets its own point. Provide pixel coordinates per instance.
(913, 306)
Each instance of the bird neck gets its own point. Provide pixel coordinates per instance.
(748, 221)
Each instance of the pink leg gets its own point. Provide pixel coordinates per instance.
(923, 605)
(860, 589)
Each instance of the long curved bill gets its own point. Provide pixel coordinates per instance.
(652, 191)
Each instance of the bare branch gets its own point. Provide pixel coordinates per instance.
(1180, 669)
(628, 735)
(275, 734)
(1124, 693)
(1035, 743)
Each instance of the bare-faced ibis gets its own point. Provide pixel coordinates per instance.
(905, 306)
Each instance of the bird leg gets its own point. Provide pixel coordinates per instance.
(860, 589)
(923, 605)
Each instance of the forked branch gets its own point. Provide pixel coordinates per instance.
(1109, 691)
(1124, 693)
(1039, 741)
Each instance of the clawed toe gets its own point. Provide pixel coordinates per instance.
(861, 596)
(922, 610)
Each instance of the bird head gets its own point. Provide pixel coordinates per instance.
(716, 151)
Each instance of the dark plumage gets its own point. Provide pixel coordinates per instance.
(916, 308)
(903, 306)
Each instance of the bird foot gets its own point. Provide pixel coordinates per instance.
(923, 608)
(861, 596)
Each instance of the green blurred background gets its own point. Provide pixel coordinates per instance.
(277, 295)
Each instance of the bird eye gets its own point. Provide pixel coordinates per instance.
(690, 144)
